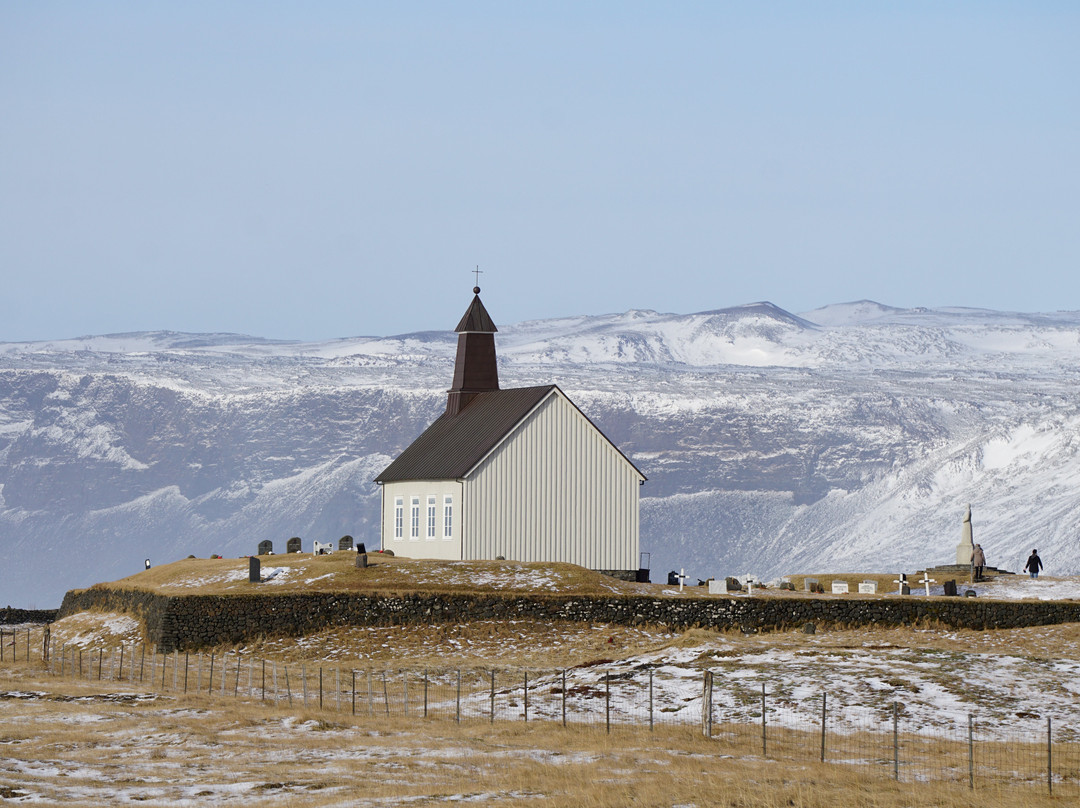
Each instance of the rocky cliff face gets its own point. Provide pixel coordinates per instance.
(848, 438)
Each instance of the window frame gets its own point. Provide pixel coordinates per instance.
(448, 516)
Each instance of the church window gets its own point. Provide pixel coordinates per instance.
(399, 517)
(414, 531)
(431, 517)
(448, 517)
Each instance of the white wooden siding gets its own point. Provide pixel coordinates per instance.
(422, 547)
(555, 490)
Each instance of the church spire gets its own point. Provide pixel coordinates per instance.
(475, 369)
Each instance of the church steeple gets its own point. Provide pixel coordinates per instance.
(475, 369)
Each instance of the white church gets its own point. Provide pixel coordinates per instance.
(519, 473)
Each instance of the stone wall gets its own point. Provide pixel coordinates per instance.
(196, 621)
(11, 617)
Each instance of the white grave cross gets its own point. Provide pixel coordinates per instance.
(927, 580)
(682, 578)
(900, 584)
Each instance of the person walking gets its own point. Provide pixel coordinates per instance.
(978, 561)
(1034, 564)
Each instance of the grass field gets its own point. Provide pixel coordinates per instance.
(85, 743)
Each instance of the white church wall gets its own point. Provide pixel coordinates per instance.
(556, 490)
(413, 537)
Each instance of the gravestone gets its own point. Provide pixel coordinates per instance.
(905, 589)
(320, 548)
(732, 585)
(970, 593)
(293, 545)
(254, 570)
(673, 578)
(361, 560)
(345, 543)
(839, 587)
(809, 584)
(266, 547)
(360, 548)
(868, 588)
(787, 586)
(950, 588)
(717, 587)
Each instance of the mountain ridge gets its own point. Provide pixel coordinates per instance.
(771, 446)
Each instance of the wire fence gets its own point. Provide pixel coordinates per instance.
(745, 719)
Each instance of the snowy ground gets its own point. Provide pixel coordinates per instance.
(1022, 587)
(90, 741)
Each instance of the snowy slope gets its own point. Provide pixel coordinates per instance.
(848, 438)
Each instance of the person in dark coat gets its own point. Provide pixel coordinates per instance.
(978, 561)
(1034, 564)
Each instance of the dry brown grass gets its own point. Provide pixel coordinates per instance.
(81, 743)
(336, 572)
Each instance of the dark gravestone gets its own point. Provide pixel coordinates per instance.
(732, 585)
(788, 586)
(361, 560)
(905, 589)
(360, 548)
(266, 547)
(673, 578)
(950, 588)
(809, 584)
(642, 575)
(254, 570)
(345, 543)
(293, 545)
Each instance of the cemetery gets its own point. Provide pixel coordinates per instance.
(197, 603)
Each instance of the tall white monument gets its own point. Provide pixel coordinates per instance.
(966, 547)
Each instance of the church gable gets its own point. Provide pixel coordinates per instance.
(554, 488)
(563, 432)
(455, 443)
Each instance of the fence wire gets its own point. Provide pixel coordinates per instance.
(748, 719)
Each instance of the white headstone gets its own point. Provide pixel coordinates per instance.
(717, 587)
(868, 588)
(839, 587)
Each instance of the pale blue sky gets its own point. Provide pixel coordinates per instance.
(311, 170)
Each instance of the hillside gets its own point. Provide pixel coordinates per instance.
(849, 438)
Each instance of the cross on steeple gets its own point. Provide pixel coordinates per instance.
(477, 272)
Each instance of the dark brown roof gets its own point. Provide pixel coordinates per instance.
(450, 447)
(476, 318)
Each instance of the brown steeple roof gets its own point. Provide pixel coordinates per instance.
(476, 318)
(476, 368)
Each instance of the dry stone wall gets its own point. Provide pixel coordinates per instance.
(10, 616)
(196, 621)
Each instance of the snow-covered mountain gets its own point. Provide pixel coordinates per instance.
(847, 438)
